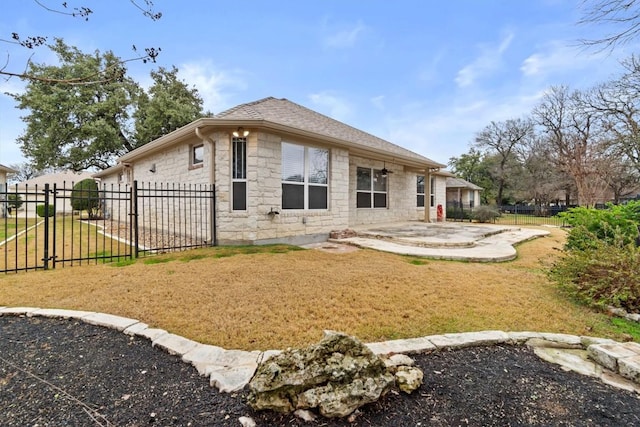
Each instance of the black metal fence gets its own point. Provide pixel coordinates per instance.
(512, 214)
(55, 226)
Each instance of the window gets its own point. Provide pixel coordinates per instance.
(432, 193)
(371, 188)
(305, 177)
(196, 157)
(239, 173)
(420, 191)
(472, 198)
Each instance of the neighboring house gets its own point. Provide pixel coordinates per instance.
(462, 193)
(4, 171)
(63, 182)
(285, 173)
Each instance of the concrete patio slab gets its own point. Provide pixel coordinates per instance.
(451, 241)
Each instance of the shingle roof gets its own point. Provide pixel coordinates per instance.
(285, 112)
(7, 169)
(461, 183)
(59, 178)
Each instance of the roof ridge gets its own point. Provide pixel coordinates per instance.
(344, 124)
(245, 106)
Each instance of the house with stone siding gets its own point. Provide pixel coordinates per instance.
(285, 173)
(462, 193)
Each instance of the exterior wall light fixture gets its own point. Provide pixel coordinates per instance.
(240, 133)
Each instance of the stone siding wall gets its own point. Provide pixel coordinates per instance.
(257, 224)
(401, 195)
(264, 190)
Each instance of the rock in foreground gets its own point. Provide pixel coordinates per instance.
(336, 376)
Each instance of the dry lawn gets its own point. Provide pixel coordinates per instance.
(74, 241)
(275, 300)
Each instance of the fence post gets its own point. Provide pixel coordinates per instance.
(55, 210)
(214, 235)
(134, 220)
(46, 227)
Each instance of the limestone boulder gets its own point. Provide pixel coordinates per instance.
(408, 378)
(336, 376)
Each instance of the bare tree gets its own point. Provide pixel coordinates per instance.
(24, 172)
(617, 104)
(571, 132)
(105, 75)
(620, 176)
(542, 182)
(623, 14)
(503, 139)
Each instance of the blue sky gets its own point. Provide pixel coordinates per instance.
(424, 74)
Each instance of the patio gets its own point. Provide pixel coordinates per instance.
(451, 241)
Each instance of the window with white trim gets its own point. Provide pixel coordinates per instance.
(305, 177)
(239, 173)
(371, 188)
(196, 155)
(420, 191)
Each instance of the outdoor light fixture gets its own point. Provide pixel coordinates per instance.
(152, 169)
(384, 172)
(240, 133)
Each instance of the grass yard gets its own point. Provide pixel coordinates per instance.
(74, 240)
(277, 296)
(12, 226)
(519, 219)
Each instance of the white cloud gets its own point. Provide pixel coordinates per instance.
(557, 56)
(332, 105)
(215, 86)
(378, 102)
(345, 38)
(490, 59)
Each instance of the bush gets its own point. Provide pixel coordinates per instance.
(86, 197)
(14, 201)
(40, 210)
(604, 275)
(601, 263)
(485, 213)
(618, 224)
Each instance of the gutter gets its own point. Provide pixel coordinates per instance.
(199, 126)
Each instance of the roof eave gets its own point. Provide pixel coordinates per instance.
(210, 123)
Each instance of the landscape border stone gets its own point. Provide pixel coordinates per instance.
(616, 364)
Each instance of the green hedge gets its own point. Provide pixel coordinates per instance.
(40, 210)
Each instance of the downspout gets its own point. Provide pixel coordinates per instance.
(212, 181)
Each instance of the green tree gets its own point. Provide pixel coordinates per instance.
(14, 201)
(86, 197)
(503, 140)
(169, 104)
(474, 167)
(79, 127)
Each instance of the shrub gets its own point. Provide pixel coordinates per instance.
(14, 201)
(601, 263)
(42, 213)
(86, 197)
(618, 224)
(602, 275)
(485, 213)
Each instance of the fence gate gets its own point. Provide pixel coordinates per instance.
(48, 227)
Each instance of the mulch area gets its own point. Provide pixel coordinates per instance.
(68, 373)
